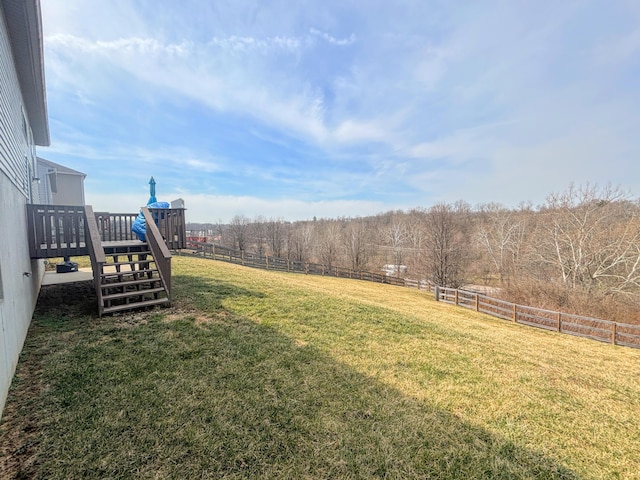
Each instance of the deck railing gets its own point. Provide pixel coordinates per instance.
(56, 231)
(61, 231)
(171, 225)
(115, 227)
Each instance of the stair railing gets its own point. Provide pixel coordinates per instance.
(96, 252)
(159, 250)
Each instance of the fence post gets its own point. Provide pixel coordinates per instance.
(559, 322)
(613, 332)
(267, 261)
(306, 268)
(456, 296)
(288, 265)
(477, 303)
(515, 313)
(242, 256)
(437, 293)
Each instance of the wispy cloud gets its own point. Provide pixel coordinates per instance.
(331, 39)
(381, 103)
(214, 208)
(247, 44)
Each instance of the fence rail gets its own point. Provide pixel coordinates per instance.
(596, 329)
(217, 252)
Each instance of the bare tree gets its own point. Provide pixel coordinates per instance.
(238, 226)
(224, 232)
(258, 232)
(355, 243)
(300, 241)
(276, 236)
(592, 238)
(328, 242)
(446, 241)
(500, 235)
(396, 237)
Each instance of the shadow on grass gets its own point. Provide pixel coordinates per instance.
(229, 398)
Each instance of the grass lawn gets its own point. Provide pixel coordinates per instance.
(255, 374)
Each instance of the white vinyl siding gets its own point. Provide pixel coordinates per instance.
(20, 275)
(17, 153)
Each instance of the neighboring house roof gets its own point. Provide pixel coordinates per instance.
(25, 31)
(59, 168)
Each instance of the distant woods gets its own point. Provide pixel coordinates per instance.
(578, 252)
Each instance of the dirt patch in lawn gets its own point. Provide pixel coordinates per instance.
(19, 430)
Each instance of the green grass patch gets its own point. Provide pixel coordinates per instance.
(256, 374)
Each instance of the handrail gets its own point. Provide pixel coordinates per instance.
(93, 236)
(159, 249)
(96, 252)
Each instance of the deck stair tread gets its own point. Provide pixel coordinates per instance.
(132, 262)
(128, 272)
(130, 283)
(129, 254)
(130, 279)
(130, 306)
(133, 293)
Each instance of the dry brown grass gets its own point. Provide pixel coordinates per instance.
(559, 297)
(257, 374)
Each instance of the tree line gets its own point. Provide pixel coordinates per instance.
(578, 252)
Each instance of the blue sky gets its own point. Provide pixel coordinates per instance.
(341, 108)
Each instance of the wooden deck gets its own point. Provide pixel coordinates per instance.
(63, 231)
(53, 278)
(127, 273)
(84, 274)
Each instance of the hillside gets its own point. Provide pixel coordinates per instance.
(275, 375)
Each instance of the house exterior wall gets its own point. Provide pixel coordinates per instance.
(17, 148)
(44, 184)
(19, 291)
(20, 277)
(70, 190)
(59, 185)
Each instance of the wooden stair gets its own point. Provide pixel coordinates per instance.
(130, 279)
